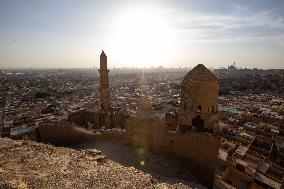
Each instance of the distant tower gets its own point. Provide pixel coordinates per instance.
(104, 83)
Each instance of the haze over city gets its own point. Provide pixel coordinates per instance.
(70, 34)
(142, 94)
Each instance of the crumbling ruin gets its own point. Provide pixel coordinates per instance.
(191, 136)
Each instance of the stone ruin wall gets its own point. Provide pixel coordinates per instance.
(60, 134)
(199, 149)
(70, 134)
(97, 119)
(82, 118)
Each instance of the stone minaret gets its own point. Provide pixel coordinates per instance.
(104, 83)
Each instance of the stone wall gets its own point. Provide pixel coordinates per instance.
(199, 150)
(145, 133)
(82, 118)
(60, 134)
(97, 119)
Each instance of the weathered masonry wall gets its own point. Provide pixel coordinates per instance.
(60, 134)
(97, 119)
(199, 149)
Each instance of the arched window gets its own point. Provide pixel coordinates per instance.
(198, 109)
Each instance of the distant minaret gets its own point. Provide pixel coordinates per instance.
(104, 83)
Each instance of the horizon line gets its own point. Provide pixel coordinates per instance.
(117, 68)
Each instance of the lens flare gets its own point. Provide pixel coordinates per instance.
(142, 37)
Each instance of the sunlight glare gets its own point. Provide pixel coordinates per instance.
(142, 38)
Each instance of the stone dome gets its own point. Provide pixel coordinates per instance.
(200, 82)
(199, 73)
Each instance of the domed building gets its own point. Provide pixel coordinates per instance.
(198, 108)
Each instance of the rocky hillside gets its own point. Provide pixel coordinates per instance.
(26, 164)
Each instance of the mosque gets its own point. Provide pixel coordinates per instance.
(189, 134)
(198, 108)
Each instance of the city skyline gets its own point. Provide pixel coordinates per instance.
(71, 34)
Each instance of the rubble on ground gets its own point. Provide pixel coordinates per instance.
(27, 164)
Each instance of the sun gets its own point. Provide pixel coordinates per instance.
(141, 37)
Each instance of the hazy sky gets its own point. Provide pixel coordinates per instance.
(72, 33)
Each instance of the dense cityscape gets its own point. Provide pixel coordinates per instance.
(142, 94)
(32, 96)
(250, 102)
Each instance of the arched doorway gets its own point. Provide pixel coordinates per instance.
(198, 123)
